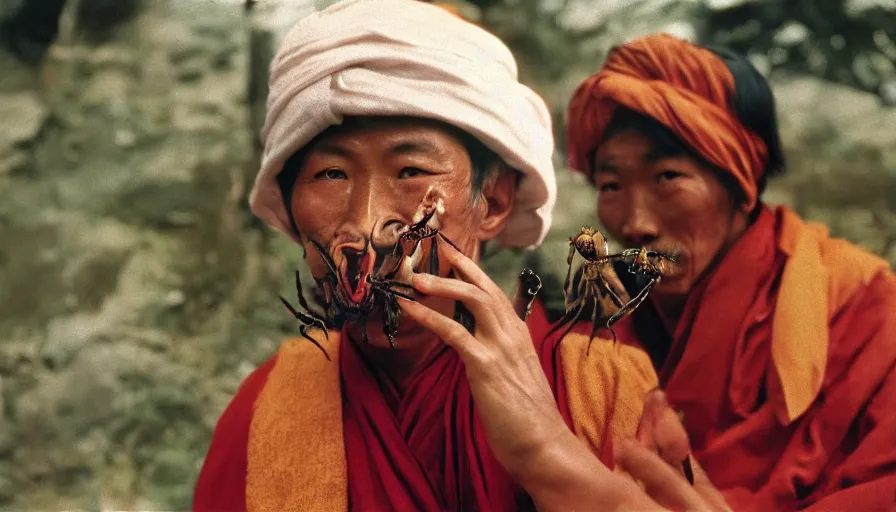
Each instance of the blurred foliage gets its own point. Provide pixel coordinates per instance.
(848, 41)
(139, 290)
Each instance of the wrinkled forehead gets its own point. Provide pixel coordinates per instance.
(391, 136)
(637, 136)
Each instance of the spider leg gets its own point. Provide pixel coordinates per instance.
(571, 314)
(331, 265)
(389, 283)
(305, 318)
(391, 318)
(605, 289)
(391, 262)
(575, 320)
(403, 295)
(631, 305)
(618, 256)
(662, 255)
(594, 317)
(446, 239)
(317, 319)
(304, 331)
(434, 256)
(423, 221)
(572, 253)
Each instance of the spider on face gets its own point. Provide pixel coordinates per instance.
(596, 285)
(371, 290)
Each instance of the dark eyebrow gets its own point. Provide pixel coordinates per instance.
(416, 147)
(606, 166)
(411, 147)
(654, 156)
(332, 148)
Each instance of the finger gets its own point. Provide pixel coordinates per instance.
(670, 437)
(706, 489)
(661, 482)
(476, 300)
(647, 426)
(448, 330)
(468, 271)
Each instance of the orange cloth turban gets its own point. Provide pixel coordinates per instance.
(683, 86)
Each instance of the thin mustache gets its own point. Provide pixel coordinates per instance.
(674, 251)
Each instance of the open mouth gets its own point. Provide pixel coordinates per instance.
(355, 272)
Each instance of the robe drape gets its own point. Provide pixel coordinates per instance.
(300, 435)
(784, 365)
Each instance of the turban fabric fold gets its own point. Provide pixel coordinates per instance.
(406, 58)
(683, 86)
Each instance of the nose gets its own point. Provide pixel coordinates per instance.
(641, 226)
(370, 218)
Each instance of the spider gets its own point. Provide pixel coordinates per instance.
(597, 286)
(379, 289)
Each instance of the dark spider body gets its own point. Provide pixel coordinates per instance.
(528, 286)
(596, 285)
(383, 287)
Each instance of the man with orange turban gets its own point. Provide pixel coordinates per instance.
(776, 342)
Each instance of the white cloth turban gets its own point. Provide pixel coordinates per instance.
(407, 58)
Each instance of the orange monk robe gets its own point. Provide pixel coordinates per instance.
(784, 364)
(306, 434)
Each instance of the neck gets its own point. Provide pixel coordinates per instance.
(401, 363)
(670, 307)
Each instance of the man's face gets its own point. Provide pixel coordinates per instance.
(358, 186)
(674, 204)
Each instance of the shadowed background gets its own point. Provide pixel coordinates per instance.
(136, 289)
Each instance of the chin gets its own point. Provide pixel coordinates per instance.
(673, 287)
(408, 335)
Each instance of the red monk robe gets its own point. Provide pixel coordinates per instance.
(287, 441)
(784, 364)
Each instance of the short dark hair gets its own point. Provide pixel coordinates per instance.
(754, 104)
(484, 163)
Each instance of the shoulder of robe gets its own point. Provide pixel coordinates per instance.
(251, 386)
(616, 359)
(850, 268)
(605, 384)
(855, 271)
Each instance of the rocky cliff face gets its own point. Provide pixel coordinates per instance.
(137, 290)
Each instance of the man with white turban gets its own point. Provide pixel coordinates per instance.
(374, 105)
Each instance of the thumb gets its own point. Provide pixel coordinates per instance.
(669, 435)
(661, 482)
(706, 489)
(661, 431)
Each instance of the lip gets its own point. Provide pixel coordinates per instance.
(354, 272)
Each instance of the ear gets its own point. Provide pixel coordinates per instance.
(498, 198)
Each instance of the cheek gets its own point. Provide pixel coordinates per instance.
(318, 210)
(609, 213)
(461, 220)
(703, 221)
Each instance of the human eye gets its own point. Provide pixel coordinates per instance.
(412, 172)
(331, 174)
(669, 175)
(608, 186)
